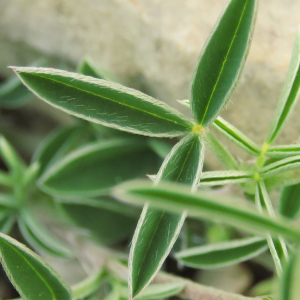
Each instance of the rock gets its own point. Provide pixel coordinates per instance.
(154, 45)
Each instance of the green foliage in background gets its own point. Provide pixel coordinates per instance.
(81, 170)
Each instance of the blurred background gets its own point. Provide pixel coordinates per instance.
(153, 46)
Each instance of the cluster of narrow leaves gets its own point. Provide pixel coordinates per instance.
(84, 179)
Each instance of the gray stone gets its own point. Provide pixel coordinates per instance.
(154, 45)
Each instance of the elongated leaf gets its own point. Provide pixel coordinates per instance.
(221, 153)
(88, 67)
(11, 158)
(55, 146)
(7, 222)
(158, 230)
(104, 102)
(203, 205)
(290, 289)
(236, 136)
(223, 61)
(6, 179)
(224, 177)
(281, 180)
(88, 286)
(283, 151)
(39, 237)
(8, 200)
(13, 94)
(289, 204)
(222, 254)
(93, 169)
(32, 278)
(278, 167)
(104, 218)
(277, 246)
(289, 95)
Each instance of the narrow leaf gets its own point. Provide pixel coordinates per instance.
(221, 153)
(223, 61)
(281, 180)
(289, 95)
(88, 286)
(6, 179)
(236, 136)
(289, 204)
(56, 144)
(93, 169)
(104, 102)
(11, 158)
(13, 94)
(203, 205)
(7, 223)
(158, 230)
(283, 151)
(31, 277)
(278, 167)
(222, 254)
(89, 68)
(277, 246)
(224, 177)
(290, 288)
(39, 237)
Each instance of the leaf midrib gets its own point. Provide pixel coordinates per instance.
(132, 107)
(224, 62)
(36, 272)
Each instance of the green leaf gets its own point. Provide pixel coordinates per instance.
(289, 95)
(204, 205)
(95, 168)
(222, 254)
(157, 230)
(7, 222)
(11, 158)
(31, 277)
(236, 136)
(13, 94)
(224, 177)
(39, 237)
(283, 151)
(278, 167)
(56, 144)
(290, 288)
(104, 102)
(6, 179)
(221, 153)
(8, 200)
(223, 58)
(277, 246)
(105, 219)
(289, 204)
(88, 286)
(89, 68)
(282, 180)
